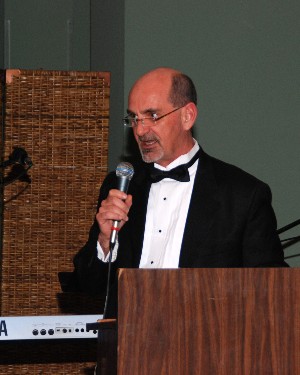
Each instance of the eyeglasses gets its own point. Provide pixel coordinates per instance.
(131, 121)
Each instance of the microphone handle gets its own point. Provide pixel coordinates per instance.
(123, 184)
(114, 234)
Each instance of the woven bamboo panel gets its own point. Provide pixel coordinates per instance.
(61, 119)
(40, 369)
(48, 357)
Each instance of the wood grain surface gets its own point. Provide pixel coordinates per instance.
(208, 321)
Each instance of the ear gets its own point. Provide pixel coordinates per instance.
(189, 115)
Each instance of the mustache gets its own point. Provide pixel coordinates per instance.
(147, 138)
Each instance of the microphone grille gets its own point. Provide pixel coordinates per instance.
(125, 169)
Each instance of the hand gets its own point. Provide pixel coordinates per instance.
(115, 207)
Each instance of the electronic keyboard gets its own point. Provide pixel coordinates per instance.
(47, 327)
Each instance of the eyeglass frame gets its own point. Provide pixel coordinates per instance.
(153, 118)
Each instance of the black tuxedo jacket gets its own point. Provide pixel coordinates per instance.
(230, 223)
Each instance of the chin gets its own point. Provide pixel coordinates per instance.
(151, 157)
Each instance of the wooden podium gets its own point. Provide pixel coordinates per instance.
(208, 321)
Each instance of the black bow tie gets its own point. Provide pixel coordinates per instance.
(180, 173)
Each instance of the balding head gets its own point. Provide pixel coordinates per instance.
(178, 86)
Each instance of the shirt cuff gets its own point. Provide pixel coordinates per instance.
(101, 256)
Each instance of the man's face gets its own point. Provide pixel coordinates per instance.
(167, 139)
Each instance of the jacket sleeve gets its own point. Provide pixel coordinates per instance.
(90, 273)
(261, 243)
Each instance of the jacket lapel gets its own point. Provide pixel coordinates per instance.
(140, 191)
(203, 206)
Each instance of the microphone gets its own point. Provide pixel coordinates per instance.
(18, 156)
(124, 172)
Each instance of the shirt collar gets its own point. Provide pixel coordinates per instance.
(182, 159)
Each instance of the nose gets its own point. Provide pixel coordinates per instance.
(140, 129)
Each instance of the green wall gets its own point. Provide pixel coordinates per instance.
(1, 33)
(47, 34)
(107, 54)
(244, 57)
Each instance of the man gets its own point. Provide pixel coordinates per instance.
(218, 216)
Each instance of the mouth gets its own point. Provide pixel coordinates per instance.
(147, 144)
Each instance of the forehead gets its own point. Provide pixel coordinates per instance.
(150, 91)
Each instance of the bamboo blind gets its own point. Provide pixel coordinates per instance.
(61, 119)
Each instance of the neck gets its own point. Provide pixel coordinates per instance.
(185, 150)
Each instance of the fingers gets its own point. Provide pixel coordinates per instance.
(115, 207)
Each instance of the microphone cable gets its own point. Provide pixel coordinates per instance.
(111, 249)
(124, 173)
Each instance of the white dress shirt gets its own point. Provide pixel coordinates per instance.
(167, 210)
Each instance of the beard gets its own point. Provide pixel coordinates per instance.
(150, 154)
